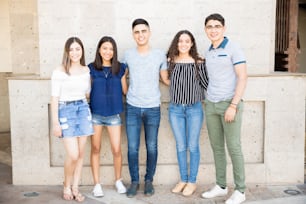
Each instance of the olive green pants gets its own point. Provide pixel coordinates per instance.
(221, 133)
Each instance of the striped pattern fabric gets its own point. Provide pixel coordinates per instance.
(188, 83)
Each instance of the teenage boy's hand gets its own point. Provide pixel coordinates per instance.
(229, 115)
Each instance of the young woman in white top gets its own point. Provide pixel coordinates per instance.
(71, 117)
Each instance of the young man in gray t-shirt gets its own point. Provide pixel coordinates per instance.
(145, 66)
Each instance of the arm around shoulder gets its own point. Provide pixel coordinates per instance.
(164, 75)
(124, 82)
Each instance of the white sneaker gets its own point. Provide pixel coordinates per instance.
(97, 191)
(120, 187)
(215, 192)
(236, 198)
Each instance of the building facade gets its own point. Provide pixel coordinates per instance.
(273, 131)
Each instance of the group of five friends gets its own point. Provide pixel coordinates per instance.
(219, 79)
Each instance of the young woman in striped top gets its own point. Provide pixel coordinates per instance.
(188, 80)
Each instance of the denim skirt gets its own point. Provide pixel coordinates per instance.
(75, 118)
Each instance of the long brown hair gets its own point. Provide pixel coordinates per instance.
(66, 62)
(173, 51)
(98, 63)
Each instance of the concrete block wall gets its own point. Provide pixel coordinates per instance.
(272, 137)
(273, 147)
(5, 46)
(19, 53)
(4, 104)
(5, 65)
(252, 23)
(24, 37)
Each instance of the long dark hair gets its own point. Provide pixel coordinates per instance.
(174, 52)
(66, 62)
(98, 62)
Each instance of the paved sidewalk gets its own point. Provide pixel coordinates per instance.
(257, 194)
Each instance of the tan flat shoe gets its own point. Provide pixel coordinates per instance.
(77, 195)
(67, 193)
(189, 189)
(179, 187)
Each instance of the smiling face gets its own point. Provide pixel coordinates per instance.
(184, 44)
(141, 34)
(106, 52)
(75, 52)
(215, 31)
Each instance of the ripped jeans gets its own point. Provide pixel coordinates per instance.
(75, 118)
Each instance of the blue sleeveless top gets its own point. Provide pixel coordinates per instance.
(106, 91)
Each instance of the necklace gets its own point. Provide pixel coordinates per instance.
(106, 72)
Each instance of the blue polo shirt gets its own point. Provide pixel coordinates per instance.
(220, 64)
(106, 91)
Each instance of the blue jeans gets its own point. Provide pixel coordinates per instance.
(186, 123)
(150, 117)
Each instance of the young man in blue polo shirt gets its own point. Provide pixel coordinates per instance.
(145, 65)
(227, 73)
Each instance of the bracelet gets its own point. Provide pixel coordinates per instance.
(235, 104)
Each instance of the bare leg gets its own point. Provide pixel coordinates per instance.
(95, 153)
(72, 154)
(79, 164)
(115, 140)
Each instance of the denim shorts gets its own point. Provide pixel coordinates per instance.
(113, 120)
(75, 118)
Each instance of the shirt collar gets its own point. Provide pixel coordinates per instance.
(222, 45)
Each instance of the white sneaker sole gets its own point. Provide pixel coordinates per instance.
(98, 195)
(121, 192)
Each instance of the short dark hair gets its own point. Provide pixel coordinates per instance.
(139, 21)
(215, 16)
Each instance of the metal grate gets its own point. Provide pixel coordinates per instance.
(286, 35)
(282, 26)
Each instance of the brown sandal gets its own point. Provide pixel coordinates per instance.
(67, 193)
(77, 195)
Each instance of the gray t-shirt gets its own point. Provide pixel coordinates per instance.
(144, 72)
(220, 64)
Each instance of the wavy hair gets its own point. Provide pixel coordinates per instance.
(173, 51)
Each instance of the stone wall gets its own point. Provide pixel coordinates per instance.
(272, 137)
(4, 104)
(274, 117)
(252, 23)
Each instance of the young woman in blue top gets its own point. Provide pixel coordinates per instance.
(108, 78)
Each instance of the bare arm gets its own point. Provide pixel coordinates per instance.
(241, 73)
(242, 76)
(124, 82)
(56, 128)
(165, 77)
